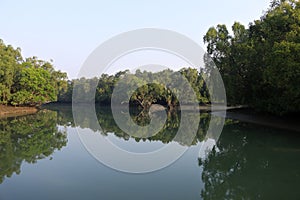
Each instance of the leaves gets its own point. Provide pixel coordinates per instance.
(260, 65)
(30, 81)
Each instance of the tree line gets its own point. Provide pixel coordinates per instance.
(144, 88)
(33, 82)
(28, 81)
(259, 64)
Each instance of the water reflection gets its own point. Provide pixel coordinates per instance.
(28, 139)
(34, 137)
(108, 125)
(251, 162)
(248, 161)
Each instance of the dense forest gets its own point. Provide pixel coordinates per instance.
(259, 64)
(149, 88)
(28, 81)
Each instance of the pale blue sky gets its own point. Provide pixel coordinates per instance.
(68, 31)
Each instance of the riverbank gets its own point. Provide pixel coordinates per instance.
(288, 122)
(155, 107)
(239, 113)
(12, 111)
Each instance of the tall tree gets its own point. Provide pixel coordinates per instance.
(10, 60)
(28, 82)
(260, 65)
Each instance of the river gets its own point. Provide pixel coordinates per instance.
(42, 157)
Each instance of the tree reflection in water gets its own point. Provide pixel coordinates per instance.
(251, 162)
(108, 125)
(28, 138)
(248, 161)
(34, 137)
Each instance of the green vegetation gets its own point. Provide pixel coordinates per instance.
(260, 65)
(145, 95)
(27, 81)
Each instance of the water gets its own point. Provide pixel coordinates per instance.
(42, 157)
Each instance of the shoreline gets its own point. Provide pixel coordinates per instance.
(289, 123)
(239, 113)
(12, 111)
(156, 107)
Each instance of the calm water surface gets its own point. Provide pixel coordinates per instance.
(42, 157)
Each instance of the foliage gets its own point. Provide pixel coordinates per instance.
(260, 65)
(10, 60)
(28, 82)
(142, 88)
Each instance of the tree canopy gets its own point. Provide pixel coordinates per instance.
(260, 64)
(28, 81)
(143, 88)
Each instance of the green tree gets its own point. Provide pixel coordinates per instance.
(28, 82)
(10, 60)
(33, 86)
(260, 65)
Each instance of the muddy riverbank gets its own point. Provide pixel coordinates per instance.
(12, 111)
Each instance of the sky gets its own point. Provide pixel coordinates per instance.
(68, 31)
